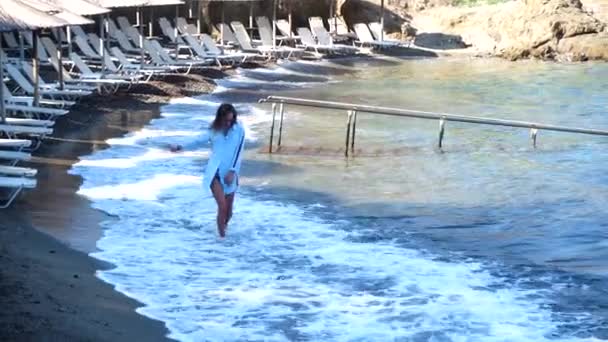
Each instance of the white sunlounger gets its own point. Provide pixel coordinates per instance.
(338, 27)
(245, 42)
(376, 30)
(215, 51)
(366, 39)
(75, 89)
(228, 38)
(199, 50)
(324, 38)
(17, 171)
(183, 27)
(86, 49)
(10, 40)
(265, 31)
(168, 60)
(28, 101)
(30, 122)
(145, 69)
(87, 73)
(308, 42)
(28, 88)
(15, 143)
(16, 185)
(169, 32)
(285, 29)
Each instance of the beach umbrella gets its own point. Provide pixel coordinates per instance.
(17, 16)
(382, 20)
(61, 13)
(80, 7)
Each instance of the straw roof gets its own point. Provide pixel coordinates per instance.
(231, 0)
(80, 7)
(164, 2)
(58, 12)
(17, 16)
(119, 3)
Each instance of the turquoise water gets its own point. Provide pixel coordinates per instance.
(487, 240)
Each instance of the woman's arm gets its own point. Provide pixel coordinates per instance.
(201, 139)
(235, 166)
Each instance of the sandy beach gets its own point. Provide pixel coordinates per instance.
(48, 287)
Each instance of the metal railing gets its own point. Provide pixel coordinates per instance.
(353, 109)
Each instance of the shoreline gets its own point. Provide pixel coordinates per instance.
(48, 281)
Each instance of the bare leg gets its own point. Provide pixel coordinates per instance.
(222, 208)
(229, 206)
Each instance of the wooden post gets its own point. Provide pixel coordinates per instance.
(352, 142)
(348, 123)
(441, 132)
(533, 135)
(36, 65)
(2, 111)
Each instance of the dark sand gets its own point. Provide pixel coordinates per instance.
(48, 291)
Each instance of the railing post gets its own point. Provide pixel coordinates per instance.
(282, 111)
(354, 132)
(533, 134)
(348, 123)
(274, 112)
(441, 131)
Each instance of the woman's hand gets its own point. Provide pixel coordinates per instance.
(229, 178)
(175, 148)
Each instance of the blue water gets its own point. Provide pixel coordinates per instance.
(487, 240)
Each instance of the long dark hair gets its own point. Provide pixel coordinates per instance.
(222, 111)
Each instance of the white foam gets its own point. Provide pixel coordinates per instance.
(308, 278)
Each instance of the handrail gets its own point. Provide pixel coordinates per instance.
(442, 117)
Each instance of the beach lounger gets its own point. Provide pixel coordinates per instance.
(228, 38)
(308, 42)
(16, 132)
(17, 171)
(28, 88)
(245, 43)
(338, 28)
(131, 32)
(83, 45)
(214, 51)
(76, 89)
(43, 56)
(376, 30)
(198, 49)
(365, 38)
(10, 40)
(28, 101)
(14, 143)
(184, 28)
(87, 73)
(148, 70)
(285, 29)
(265, 30)
(169, 31)
(325, 39)
(15, 186)
(30, 122)
(161, 57)
(14, 156)
(320, 32)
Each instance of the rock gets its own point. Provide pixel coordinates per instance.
(546, 29)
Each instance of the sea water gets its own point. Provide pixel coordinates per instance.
(488, 239)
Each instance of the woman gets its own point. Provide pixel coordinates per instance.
(227, 138)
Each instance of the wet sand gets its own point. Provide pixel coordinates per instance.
(48, 288)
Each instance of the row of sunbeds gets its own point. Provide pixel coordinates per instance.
(87, 65)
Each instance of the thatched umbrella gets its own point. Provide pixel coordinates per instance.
(16, 16)
(61, 13)
(80, 7)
